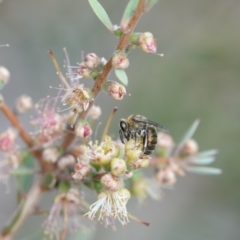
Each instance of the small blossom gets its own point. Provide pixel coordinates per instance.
(24, 104)
(94, 112)
(51, 154)
(65, 213)
(111, 182)
(120, 60)
(83, 130)
(104, 152)
(50, 125)
(78, 98)
(115, 90)
(7, 140)
(111, 205)
(147, 42)
(92, 60)
(4, 76)
(81, 169)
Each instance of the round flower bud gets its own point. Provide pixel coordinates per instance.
(166, 176)
(50, 155)
(24, 104)
(83, 130)
(94, 112)
(91, 60)
(164, 141)
(189, 148)
(147, 42)
(111, 182)
(118, 167)
(125, 194)
(120, 60)
(116, 90)
(66, 161)
(4, 76)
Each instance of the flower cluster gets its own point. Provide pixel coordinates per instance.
(69, 156)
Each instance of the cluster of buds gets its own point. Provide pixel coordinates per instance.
(91, 67)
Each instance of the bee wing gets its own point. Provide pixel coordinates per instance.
(147, 121)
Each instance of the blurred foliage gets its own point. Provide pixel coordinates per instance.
(197, 78)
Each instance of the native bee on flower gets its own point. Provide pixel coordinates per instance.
(138, 126)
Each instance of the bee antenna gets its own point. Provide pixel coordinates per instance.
(108, 123)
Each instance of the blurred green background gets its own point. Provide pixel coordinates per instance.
(198, 77)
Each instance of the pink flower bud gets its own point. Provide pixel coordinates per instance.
(147, 42)
(120, 60)
(94, 112)
(50, 155)
(83, 130)
(7, 140)
(81, 170)
(166, 176)
(164, 141)
(116, 90)
(111, 182)
(189, 148)
(91, 60)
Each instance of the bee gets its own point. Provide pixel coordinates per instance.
(138, 126)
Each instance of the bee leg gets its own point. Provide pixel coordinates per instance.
(145, 139)
(121, 135)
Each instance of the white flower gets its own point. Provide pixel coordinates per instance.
(111, 205)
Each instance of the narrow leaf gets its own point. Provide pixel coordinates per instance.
(128, 13)
(25, 180)
(101, 14)
(150, 4)
(204, 170)
(202, 161)
(208, 153)
(122, 76)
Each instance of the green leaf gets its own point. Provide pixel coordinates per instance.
(203, 161)
(23, 177)
(204, 170)
(150, 4)
(22, 171)
(208, 153)
(101, 14)
(128, 13)
(122, 76)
